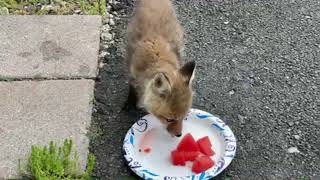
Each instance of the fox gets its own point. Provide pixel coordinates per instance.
(159, 82)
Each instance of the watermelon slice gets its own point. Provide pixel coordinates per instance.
(191, 155)
(198, 152)
(180, 157)
(205, 146)
(188, 144)
(177, 158)
(201, 164)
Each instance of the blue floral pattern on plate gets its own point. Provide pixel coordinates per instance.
(141, 126)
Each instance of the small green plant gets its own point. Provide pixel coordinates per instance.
(57, 163)
(5, 78)
(304, 178)
(54, 7)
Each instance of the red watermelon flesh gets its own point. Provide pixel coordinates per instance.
(188, 144)
(201, 164)
(205, 146)
(191, 156)
(177, 158)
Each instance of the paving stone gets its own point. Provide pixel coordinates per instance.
(49, 46)
(36, 112)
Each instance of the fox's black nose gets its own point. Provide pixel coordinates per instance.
(178, 135)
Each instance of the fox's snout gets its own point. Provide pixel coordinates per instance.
(175, 128)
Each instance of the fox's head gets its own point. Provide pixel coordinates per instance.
(169, 97)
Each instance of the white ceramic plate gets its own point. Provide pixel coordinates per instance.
(148, 132)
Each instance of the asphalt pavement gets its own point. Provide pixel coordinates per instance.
(257, 68)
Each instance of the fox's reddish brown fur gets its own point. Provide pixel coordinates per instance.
(158, 81)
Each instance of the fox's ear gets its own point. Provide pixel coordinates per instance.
(188, 71)
(161, 85)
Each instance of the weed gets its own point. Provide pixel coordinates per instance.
(56, 163)
(57, 7)
(5, 78)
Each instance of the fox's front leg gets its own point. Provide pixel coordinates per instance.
(132, 99)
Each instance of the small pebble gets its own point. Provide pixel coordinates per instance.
(108, 7)
(293, 150)
(297, 137)
(101, 64)
(105, 28)
(77, 11)
(231, 92)
(106, 36)
(103, 54)
(111, 22)
(47, 7)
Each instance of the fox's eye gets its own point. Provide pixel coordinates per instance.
(169, 120)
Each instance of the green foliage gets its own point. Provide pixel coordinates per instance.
(5, 78)
(304, 178)
(8, 3)
(90, 166)
(57, 163)
(102, 8)
(56, 7)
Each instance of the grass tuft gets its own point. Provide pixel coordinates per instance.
(54, 7)
(5, 78)
(57, 163)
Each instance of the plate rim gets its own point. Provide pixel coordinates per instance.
(221, 164)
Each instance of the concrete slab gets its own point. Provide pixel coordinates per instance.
(49, 46)
(36, 112)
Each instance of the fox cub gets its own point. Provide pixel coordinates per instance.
(159, 83)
